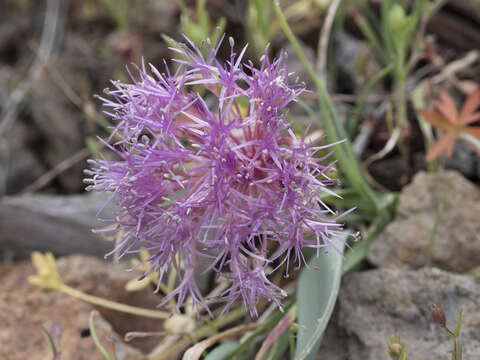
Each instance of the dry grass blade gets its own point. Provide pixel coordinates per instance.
(57, 170)
(324, 37)
(273, 336)
(196, 351)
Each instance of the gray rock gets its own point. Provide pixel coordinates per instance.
(25, 307)
(456, 245)
(375, 304)
(61, 224)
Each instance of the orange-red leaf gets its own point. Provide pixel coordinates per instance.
(446, 117)
(469, 107)
(471, 118)
(444, 144)
(436, 119)
(447, 107)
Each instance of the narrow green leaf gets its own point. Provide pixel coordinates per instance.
(403, 355)
(317, 292)
(458, 325)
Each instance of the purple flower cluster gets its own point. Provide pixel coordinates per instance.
(220, 176)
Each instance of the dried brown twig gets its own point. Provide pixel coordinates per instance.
(57, 170)
(322, 48)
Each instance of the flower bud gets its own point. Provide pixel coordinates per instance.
(438, 314)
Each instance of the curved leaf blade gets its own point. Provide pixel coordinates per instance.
(317, 293)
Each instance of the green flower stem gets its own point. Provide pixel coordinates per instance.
(333, 125)
(95, 300)
(97, 342)
(457, 350)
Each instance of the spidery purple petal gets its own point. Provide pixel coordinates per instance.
(220, 176)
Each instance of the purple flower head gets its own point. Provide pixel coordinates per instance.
(219, 176)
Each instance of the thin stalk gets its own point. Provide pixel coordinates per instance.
(333, 125)
(431, 240)
(97, 342)
(50, 341)
(154, 314)
(457, 350)
(355, 119)
(402, 102)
